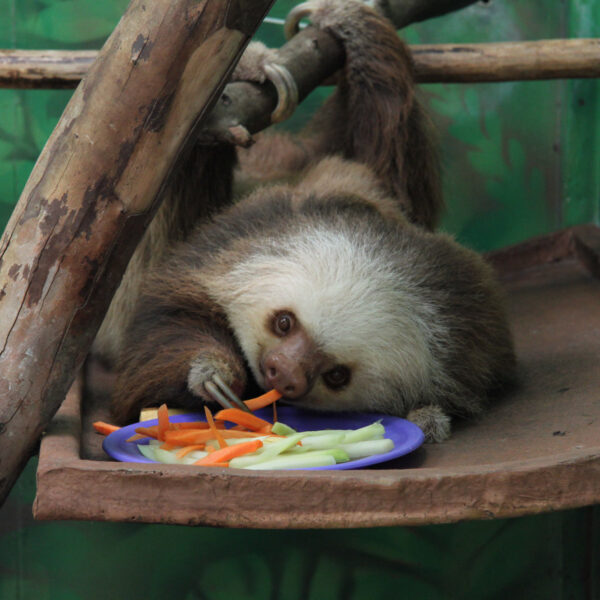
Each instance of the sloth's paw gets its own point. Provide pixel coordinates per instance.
(259, 64)
(213, 380)
(433, 421)
(251, 66)
(341, 17)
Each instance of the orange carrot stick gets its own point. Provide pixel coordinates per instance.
(187, 449)
(229, 452)
(262, 401)
(151, 431)
(199, 436)
(196, 425)
(215, 432)
(240, 417)
(104, 428)
(163, 421)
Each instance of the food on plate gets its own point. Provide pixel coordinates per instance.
(235, 438)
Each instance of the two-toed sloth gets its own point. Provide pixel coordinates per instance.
(334, 289)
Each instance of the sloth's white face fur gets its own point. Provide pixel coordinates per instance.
(352, 302)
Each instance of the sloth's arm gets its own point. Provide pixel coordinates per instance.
(373, 117)
(170, 354)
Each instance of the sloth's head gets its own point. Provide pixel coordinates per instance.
(331, 321)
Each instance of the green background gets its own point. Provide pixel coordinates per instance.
(519, 159)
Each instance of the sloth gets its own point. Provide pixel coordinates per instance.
(328, 284)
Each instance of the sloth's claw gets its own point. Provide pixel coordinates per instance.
(292, 21)
(221, 393)
(287, 91)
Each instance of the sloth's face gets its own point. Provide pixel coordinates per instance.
(286, 354)
(293, 362)
(330, 322)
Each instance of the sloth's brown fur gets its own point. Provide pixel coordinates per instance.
(351, 234)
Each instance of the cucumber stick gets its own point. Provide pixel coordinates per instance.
(304, 460)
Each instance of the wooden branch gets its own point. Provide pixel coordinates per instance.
(44, 69)
(311, 57)
(507, 61)
(92, 192)
(434, 63)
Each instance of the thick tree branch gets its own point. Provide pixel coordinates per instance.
(92, 192)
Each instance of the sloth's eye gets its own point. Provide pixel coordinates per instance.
(283, 323)
(337, 377)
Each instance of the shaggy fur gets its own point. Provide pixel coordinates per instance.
(415, 319)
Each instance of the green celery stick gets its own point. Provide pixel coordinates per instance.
(280, 428)
(369, 432)
(367, 448)
(147, 450)
(305, 460)
(322, 442)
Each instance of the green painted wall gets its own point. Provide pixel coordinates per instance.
(519, 159)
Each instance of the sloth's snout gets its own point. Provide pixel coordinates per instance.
(285, 375)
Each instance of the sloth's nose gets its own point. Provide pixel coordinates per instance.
(285, 375)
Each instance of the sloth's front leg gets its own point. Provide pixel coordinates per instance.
(178, 360)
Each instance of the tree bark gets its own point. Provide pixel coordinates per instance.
(92, 192)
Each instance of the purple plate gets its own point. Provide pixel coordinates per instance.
(405, 435)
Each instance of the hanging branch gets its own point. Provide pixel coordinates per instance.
(92, 192)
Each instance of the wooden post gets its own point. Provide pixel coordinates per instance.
(92, 192)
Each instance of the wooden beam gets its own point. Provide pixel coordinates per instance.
(434, 63)
(44, 69)
(92, 192)
(507, 61)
